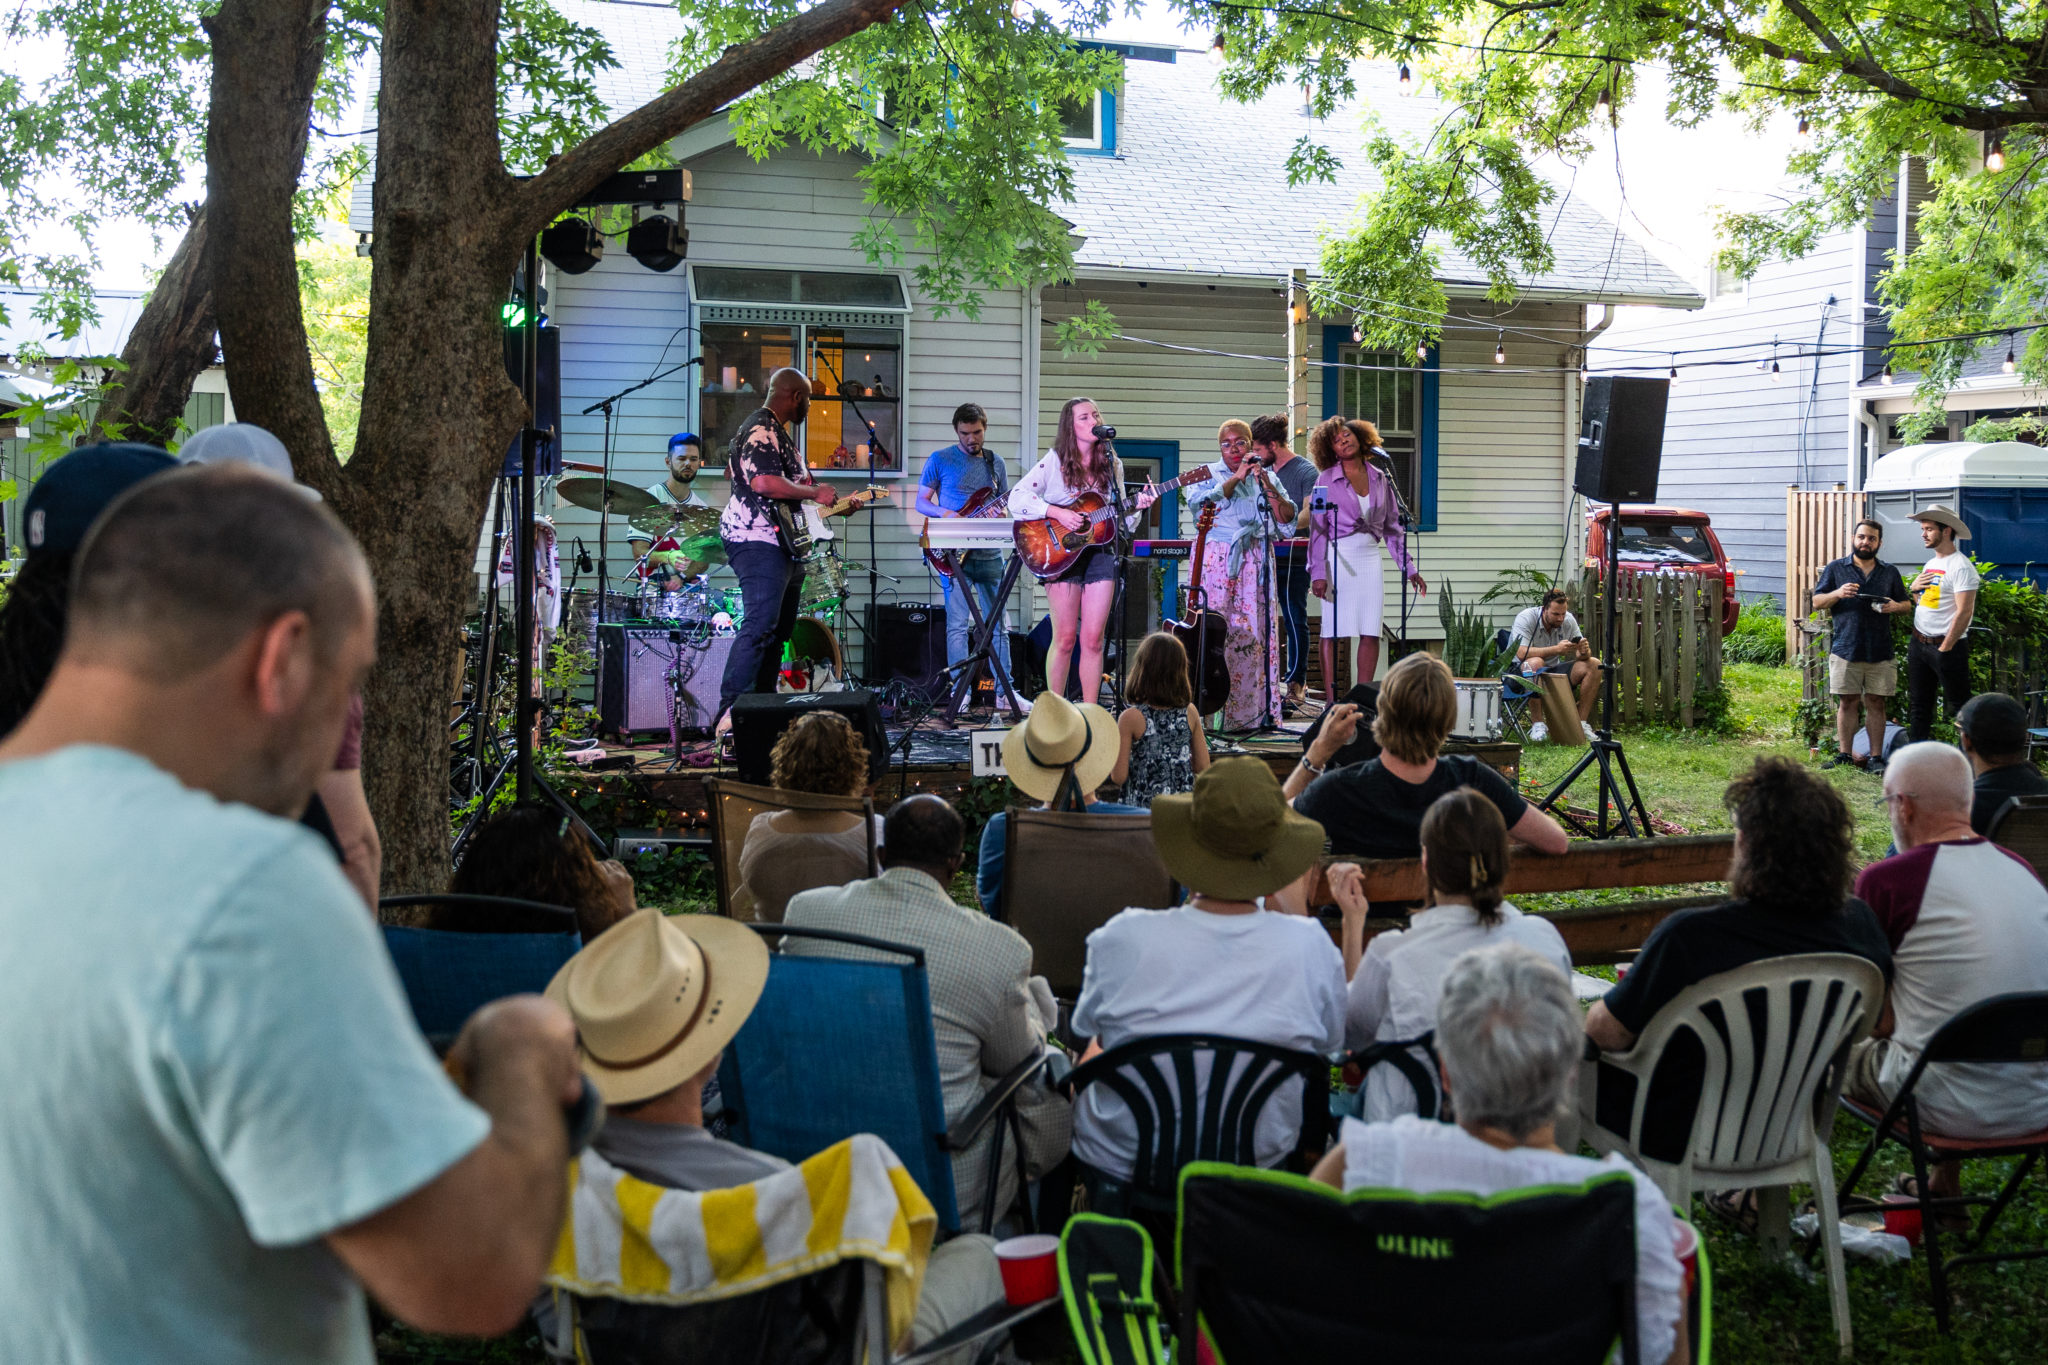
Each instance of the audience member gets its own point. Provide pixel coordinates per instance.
(1789, 876)
(236, 1125)
(61, 506)
(788, 851)
(1160, 744)
(1061, 753)
(1374, 809)
(1395, 982)
(669, 993)
(1993, 728)
(1966, 920)
(530, 853)
(1507, 1030)
(1220, 964)
(988, 1012)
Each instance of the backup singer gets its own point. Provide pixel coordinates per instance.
(1235, 570)
(1360, 515)
(1078, 463)
(765, 468)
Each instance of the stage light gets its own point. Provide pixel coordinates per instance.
(572, 246)
(1994, 152)
(2011, 362)
(1407, 81)
(659, 243)
(1500, 349)
(1357, 334)
(1216, 53)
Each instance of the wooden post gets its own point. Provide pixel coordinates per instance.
(1297, 360)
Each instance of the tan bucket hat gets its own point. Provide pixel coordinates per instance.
(656, 997)
(1234, 836)
(1057, 735)
(1943, 515)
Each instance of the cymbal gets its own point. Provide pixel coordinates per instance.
(670, 519)
(588, 492)
(705, 549)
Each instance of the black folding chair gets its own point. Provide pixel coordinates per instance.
(2021, 826)
(1416, 1062)
(2010, 1029)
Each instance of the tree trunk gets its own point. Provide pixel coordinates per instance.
(171, 345)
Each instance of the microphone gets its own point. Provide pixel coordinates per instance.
(1104, 433)
(583, 564)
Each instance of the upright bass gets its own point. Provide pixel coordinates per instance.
(1204, 633)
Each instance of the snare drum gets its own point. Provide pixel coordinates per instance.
(1478, 709)
(660, 604)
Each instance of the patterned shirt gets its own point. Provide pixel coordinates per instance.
(760, 446)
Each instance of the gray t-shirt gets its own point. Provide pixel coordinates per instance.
(681, 1156)
(1530, 630)
(1297, 479)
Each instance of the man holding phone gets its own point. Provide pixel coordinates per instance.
(1862, 592)
(1546, 639)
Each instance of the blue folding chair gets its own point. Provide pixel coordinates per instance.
(450, 975)
(838, 1046)
(1515, 692)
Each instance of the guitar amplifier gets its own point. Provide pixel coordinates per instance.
(907, 640)
(636, 664)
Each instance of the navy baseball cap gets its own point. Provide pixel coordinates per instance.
(686, 438)
(72, 492)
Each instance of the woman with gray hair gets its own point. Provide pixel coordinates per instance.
(1509, 1035)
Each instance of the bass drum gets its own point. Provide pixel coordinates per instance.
(816, 662)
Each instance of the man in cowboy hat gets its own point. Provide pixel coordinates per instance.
(1946, 589)
(1061, 753)
(655, 1000)
(1223, 963)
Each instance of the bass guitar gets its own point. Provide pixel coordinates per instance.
(1050, 549)
(982, 502)
(1204, 633)
(801, 525)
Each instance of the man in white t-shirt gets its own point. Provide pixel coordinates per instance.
(1546, 639)
(1945, 597)
(1967, 920)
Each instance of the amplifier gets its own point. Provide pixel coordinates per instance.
(759, 718)
(640, 666)
(907, 640)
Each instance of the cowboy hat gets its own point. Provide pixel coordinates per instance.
(1234, 836)
(656, 998)
(1058, 734)
(1944, 516)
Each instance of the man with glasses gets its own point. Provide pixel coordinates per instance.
(1252, 511)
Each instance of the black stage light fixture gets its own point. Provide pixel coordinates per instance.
(659, 243)
(572, 246)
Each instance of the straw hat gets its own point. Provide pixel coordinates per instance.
(1234, 836)
(1942, 515)
(655, 998)
(1055, 735)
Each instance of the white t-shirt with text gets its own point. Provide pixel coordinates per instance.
(1935, 603)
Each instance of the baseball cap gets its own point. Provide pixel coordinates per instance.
(242, 443)
(1995, 723)
(75, 489)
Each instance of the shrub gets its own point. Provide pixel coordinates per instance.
(1759, 634)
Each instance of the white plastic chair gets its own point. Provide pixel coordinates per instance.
(1775, 1034)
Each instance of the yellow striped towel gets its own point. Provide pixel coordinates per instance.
(628, 1239)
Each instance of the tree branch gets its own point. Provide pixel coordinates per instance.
(741, 68)
(171, 344)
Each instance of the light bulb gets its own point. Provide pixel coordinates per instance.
(1674, 375)
(2011, 362)
(1606, 101)
(1216, 53)
(1582, 372)
(1407, 81)
(1805, 128)
(1775, 372)
(1357, 333)
(1020, 10)
(1994, 155)
(1886, 377)
(1500, 350)
(1421, 352)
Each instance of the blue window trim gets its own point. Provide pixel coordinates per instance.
(1168, 455)
(1108, 147)
(1335, 338)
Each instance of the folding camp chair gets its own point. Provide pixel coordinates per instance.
(1515, 692)
(451, 974)
(1066, 874)
(733, 808)
(837, 1047)
(2021, 825)
(2010, 1029)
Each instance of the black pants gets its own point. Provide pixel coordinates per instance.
(771, 584)
(1929, 670)
(1292, 567)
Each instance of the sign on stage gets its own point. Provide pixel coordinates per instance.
(988, 753)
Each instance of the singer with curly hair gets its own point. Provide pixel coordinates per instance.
(1352, 512)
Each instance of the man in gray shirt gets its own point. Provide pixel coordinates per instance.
(1546, 639)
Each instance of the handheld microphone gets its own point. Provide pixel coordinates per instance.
(583, 564)
(1104, 433)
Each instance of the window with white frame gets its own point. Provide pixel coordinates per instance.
(1081, 121)
(1385, 391)
(1724, 285)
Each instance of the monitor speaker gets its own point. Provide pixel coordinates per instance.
(907, 640)
(1621, 438)
(640, 666)
(759, 718)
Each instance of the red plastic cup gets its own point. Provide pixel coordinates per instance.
(1902, 1217)
(1686, 1243)
(1030, 1266)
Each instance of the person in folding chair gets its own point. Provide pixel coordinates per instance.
(655, 1002)
(1508, 1033)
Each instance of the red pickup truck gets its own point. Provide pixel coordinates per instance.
(1677, 539)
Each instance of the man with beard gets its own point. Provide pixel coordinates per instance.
(1862, 593)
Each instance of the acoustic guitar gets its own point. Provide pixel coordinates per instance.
(1204, 633)
(1050, 549)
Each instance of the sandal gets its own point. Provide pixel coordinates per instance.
(1735, 1207)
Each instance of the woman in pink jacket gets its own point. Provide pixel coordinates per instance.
(1352, 512)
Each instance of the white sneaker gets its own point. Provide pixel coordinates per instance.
(1538, 732)
(1586, 729)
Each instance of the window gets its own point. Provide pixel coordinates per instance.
(810, 288)
(1726, 284)
(1390, 399)
(1081, 121)
(1666, 542)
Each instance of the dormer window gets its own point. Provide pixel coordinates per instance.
(1088, 124)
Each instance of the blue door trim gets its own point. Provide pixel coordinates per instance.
(1168, 455)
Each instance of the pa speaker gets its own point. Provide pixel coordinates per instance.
(759, 718)
(646, 669)
(1621, 438)
(907, 640)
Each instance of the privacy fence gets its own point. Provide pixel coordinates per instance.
(1667, 641)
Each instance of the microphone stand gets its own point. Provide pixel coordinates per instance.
(1123, 567)
(1407, 520)
(840, 386)
(1269, 719)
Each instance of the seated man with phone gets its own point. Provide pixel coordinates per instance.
(1546, 639)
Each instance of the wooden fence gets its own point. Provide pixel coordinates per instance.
(1667, 641)
(1819, 525)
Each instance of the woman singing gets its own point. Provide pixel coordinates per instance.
(1358, 513)
(1081, 597)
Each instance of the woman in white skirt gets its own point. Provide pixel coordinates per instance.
(1352, 513)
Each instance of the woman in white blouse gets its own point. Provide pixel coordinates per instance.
(1082, 596)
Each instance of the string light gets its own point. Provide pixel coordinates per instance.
(2011, 362)
(1357, 334)
(1421, 352)
(1216, 53)
(1500, 349)
(1605, 104)
(1674, 372)
(1407, 81)
(1582, 369)
(1776, 375)
(1886, 377)
(1994, 154)
(1805, 129)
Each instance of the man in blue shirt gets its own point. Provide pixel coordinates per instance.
(952, 475)
(1864, 594)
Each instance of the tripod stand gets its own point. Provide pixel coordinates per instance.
(1605, 750)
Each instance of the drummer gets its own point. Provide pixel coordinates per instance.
(667, 560)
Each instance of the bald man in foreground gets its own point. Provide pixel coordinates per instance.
(220, 1123)
(766, 469)
(1966, 920)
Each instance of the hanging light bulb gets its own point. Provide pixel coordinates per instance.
(1886, 377)
(1805, 129)
(1994, 153)
(1216, 53)
(1605, 104)
(1674, 371)
(1421, 352)
(1357, 333)
(1020, 10)
(1582, 369)
(1407, 81)
(2011, 362)
(1776, 374)
(1500, 349)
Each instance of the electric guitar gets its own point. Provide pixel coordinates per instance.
(1204, 633)
(1050, 549)
(982, 502)
(800, 525)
